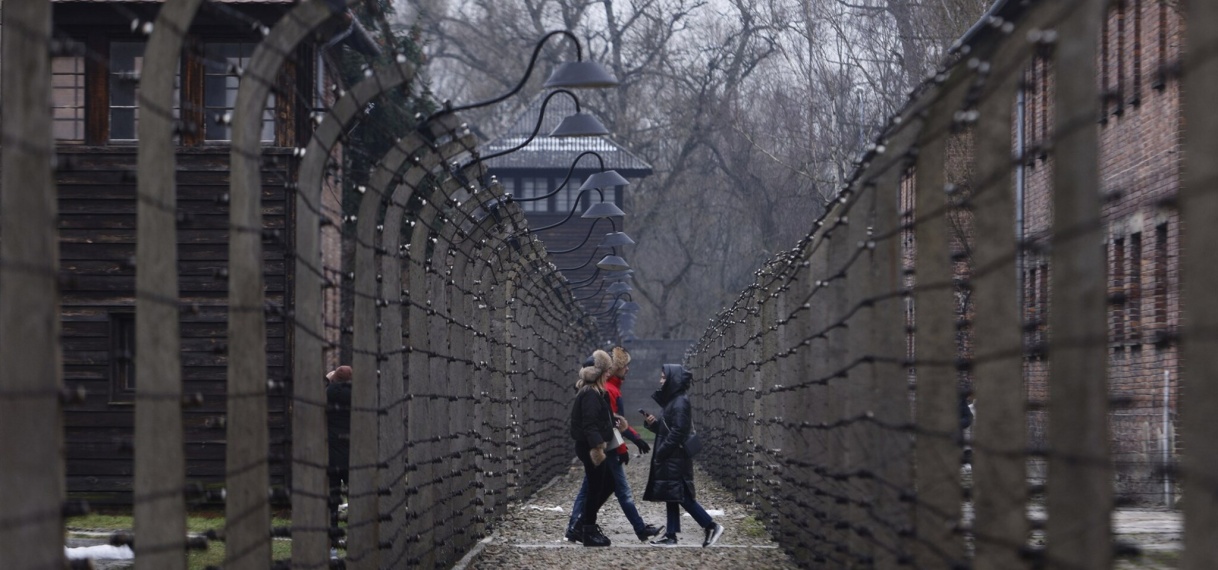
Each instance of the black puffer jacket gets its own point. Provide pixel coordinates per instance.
(338, 424)
(591, 420)
(672, 471)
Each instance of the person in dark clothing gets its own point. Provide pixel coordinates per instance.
(618, 458)
(966, 421)
(592, 425)
(671, 478)
(338, 434)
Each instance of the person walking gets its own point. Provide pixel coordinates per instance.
(592, 427)
(338, 435)
(618, 457)
(671, 477)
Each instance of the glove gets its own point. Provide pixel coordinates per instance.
(643, 447)
(625, 457)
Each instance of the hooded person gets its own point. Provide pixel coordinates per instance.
(671, 477)
(591, 427)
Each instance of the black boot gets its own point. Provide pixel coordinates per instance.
(594, 537)
(649, 532)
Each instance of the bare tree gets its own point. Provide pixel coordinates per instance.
(750, 111)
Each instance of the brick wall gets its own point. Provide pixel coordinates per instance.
(1140, 175)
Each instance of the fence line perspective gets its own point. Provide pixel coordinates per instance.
(831, 393)
(461, 326)
(990, 249)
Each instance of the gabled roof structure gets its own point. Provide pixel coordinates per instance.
(558, 154)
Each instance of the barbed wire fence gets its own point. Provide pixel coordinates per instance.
(831, 391)
(462, 327)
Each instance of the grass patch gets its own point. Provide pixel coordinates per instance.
(753, 528)
(197, 522)
(214, 555)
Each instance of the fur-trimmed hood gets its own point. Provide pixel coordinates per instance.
(621, 359)
(590, 375)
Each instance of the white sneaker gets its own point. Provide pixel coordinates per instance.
(712, 535)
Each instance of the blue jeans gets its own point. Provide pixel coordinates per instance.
(621, 488)
(692, 507)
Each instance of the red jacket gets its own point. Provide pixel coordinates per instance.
(614, 387)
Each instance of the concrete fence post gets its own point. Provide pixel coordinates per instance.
(1079, 486)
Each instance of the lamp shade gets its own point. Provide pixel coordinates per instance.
(616, 239)
(603, 210)
(613, 263)
(619, 276)
(579, 125)
(605, 179)
(581, 75)
(619, 287)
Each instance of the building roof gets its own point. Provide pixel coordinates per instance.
(558, 153)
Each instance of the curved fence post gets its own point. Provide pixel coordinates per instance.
(247, 506)
(160, 461)
(31, 416)
(309, 497)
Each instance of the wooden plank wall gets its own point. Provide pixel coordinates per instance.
(97, 247)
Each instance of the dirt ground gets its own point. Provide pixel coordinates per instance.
(531, 536)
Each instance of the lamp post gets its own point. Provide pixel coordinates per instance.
(613, 305)
(612, 239)
(598, 211)
(603, 179)
(578, 74)
(599, 287)
(578, 125)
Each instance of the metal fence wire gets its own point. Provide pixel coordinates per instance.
(831, 393)
(462, 327)
(995, 246)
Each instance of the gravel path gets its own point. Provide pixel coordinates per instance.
(531, 534)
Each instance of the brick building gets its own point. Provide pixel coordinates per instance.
(1140, 141)
(1140, 144)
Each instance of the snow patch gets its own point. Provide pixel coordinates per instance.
(100, 552)
(536, 508)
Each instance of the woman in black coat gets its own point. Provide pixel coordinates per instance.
(671, 478)
(591, 428)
